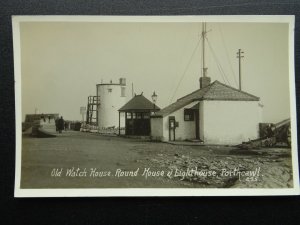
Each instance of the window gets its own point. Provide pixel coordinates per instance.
(123, 92)
(109, 90)
(188, 115)
(138, 115)
(146, 115)
(133, 116)
(128, 115)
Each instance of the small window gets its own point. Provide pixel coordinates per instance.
(123, 92)
(109, 90)
(133, 116)
(138, 115)
(188, 115)
(128, 115)
(146, 115)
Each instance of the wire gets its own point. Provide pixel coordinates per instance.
(226, 50)
(185, 70)
(178, 72)
(218, 64)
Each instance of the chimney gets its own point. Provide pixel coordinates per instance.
(204, 81)
(122, 81)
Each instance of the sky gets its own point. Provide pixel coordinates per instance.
(61, 62)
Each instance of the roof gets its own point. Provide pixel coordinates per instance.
(214, 91)
(139, 103)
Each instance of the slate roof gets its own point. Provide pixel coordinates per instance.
(139, 103)
(214, 91)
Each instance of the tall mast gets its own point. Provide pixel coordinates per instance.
(204, 69)
(204, 79)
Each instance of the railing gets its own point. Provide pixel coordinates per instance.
(103, 130)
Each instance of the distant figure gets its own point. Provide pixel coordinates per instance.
(60, 124)
(43, 117)
(56, 124)
(49, 118)
(66, 125)
(270, 130)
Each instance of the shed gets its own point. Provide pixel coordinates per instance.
(137, 115)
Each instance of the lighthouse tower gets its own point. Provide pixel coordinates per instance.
(112, 97)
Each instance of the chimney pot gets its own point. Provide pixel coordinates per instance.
(122, 81)
(204, 81)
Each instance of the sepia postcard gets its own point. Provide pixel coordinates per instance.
(155, 106)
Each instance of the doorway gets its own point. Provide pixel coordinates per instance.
(172, 128)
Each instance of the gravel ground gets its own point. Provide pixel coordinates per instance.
(222, 166)
(59, 162)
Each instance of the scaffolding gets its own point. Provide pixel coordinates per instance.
(92, 110)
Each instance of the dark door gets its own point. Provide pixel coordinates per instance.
(129, 127)
(142, 127)
(138, 124)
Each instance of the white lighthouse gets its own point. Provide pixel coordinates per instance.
(112, 97)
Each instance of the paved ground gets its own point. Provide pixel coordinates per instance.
(48, 163)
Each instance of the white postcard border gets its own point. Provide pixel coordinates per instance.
(106, 192)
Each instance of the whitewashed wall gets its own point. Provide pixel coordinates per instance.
(110, 103)
(156, 129)
(229, 122)
(201, 117)
(186, 129)
(221, 122)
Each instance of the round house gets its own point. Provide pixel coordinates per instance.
(112, 97)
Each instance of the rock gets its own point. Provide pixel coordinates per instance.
(285, 177)
(247, 160)
(172, 167)
(178, 162)
(154, 160)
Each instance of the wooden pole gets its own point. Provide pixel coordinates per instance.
(239, 56)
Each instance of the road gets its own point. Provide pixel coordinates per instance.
(86, 151)
(86, 160)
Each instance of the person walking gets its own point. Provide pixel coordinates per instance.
(66, 125)
(61, 124)
(56, 124)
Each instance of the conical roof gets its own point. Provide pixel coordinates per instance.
(139, 103)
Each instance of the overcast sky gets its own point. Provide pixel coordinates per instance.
(61, 62)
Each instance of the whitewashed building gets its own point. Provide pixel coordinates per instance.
(112, 97)
(215, 114)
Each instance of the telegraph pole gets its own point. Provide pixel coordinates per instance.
(239, 56)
